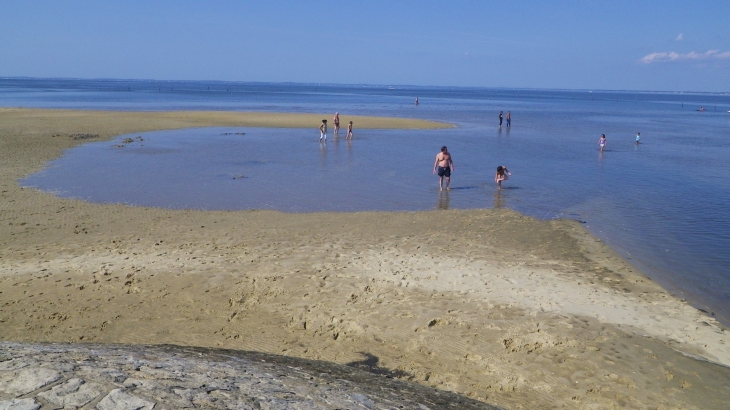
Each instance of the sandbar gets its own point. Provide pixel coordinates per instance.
(490, 304)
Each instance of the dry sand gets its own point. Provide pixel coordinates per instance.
(491, 304)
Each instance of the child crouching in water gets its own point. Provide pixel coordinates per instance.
(502, 175)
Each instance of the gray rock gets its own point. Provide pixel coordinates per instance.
(64, 367)
(102, 374)
(23, 381)
(174, 377)
(13, 365)
(118, 399)
(363, 399)
(142, 384)
(19, 404)
(73, 393)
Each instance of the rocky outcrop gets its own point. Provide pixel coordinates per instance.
(104, 377)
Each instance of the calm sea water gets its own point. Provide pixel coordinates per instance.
(662, 204)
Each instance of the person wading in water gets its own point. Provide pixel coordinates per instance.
(443, 166)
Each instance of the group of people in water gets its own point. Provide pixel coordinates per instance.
(336, 121)
(443, 166)
(602, 141)
(508, 118)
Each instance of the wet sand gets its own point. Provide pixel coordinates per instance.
(490, 304)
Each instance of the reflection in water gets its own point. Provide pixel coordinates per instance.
(498, 201)
(336, 144)
(443, 200)
(323, 154)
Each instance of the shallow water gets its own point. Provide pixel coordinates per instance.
(662, 204)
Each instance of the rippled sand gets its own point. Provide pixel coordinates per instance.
(490, 304)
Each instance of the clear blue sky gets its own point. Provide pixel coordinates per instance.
(637, 45)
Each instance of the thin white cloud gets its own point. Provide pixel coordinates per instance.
(680, 37)
(691, 56)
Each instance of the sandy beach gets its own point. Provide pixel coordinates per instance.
(493, 305)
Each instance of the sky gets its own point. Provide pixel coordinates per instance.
(671, 45)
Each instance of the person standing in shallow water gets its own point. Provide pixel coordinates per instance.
(349, 131)
(509, 119)
(323, 131)
(602, 142)
(336, 120)
(443, 166)
(500, 119)
(638, 138)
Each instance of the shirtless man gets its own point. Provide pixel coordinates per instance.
(444, 166)
(336, 120)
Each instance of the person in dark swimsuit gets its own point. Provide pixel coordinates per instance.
(443, 166)
(500, 119)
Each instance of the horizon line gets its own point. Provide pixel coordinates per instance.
(358, 84)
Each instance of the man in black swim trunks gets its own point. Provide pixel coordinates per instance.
(444, 166)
